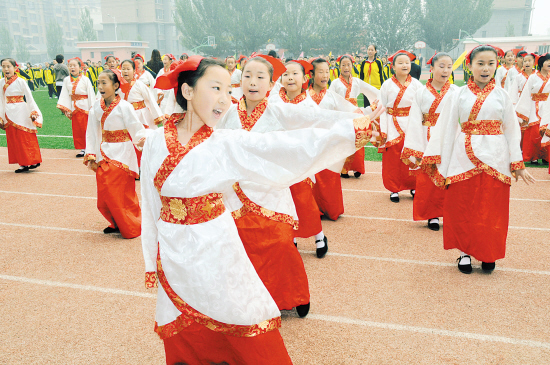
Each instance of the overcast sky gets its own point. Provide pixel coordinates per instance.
(539, 22)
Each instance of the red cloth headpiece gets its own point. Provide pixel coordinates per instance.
(350, 56)
(411, 56)
(278, 67)
(169, 80)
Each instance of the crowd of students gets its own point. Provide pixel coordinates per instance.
(250, 155)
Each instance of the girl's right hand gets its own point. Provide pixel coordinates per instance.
(92, 165)
(525, 175)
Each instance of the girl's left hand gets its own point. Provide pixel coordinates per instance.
(525, 175)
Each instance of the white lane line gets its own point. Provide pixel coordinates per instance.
(387, 192)
(53, 195)
(45, 135)
(50, 173)
(50, 228)
(419, 262)
(429, 331)
(311, 316)
(411, 221)
(76, 286)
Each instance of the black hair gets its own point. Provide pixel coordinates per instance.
(109, 57)
(521, 54)
(59, 58)
(543, 59)
(269, 66)
(440, 55)
(375, 48)
(344, 57)
(113, 77)
(505, 53)
(10, 60)
(315, 62)
(191, 77)
(479, 49)
(397, 55)
(299, 64)
(272, 53)
(529, 54)
(77, 60)
(155, 56)
(131, 62)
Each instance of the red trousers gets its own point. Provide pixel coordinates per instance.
(79, 123)
(355, 162)
(117, 199)
(428, 200)
(270, 248)
(309, 216)
(395, 174)
(328, 194)
(23, 147)
(475, 216)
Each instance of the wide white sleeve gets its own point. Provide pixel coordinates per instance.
(283, 158)
(93, 137)
(150, 210)
(545, 125)
(90, 92)
(64, 103)
(499, 76)
(296, 116)
(513, 89)
(3, 119)
(341, 104)
(385, 117)
(523, 106)
(151, 102)
(415, 140)
(132, 123)
(368, 90)
(512, 74)
(33, 108)
(512, 132)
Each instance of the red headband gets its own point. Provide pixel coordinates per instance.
(76, 58)
(171, 56)
(411, 56)
(169, 80)
(124, 85)
(278, 67)
(429, 62)
(240, 58)
(500, 52)
(138, 56)
(107, 57)
(350, 56)
(306, 65)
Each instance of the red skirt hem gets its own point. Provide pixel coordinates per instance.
(327, 192)
(23, 148)
(355, 162)
(79, 125)
(428, 199)
(309, 215)
(395, 174)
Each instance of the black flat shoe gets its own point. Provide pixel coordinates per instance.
(345, 176)
(296, 244)
(302, 310)
(413, 192)
(394, 198)
(80, 154)
(22, 169)
(433, 226)
(321, 252)
(34, 166)
(111, 230)
(488, 267)
(465, 269)
(356, 174)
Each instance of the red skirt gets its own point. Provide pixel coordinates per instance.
(309, 215)
(428, 199)
(197, 345)
(327, 192)
(270, 248)
(395, 174)
(79, 122)
(475, 216)
(355, 162)
(531, 144)
(117, 199)
(23, 147)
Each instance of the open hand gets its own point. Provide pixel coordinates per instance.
(525, 175)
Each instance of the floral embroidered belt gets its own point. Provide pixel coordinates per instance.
(539, 96)
(116, 136)
(482, 127)
(189, 211)
(15, 99)
(235, 85)
(76, 97)
(429, 120)
(399, 112)
(139, 105)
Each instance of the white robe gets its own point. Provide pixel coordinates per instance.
(496, 151)
(19, 113)
(84, 87)
(358, 86)
(516, 87)
(236, 92)
(205, 263)
(333, 101)
(151, 115)
(501, 73)
(512, 73)
(167, 103)
(526, 108)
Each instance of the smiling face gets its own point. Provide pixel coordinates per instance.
(345, 67)
(442, 69)
(483, 66)
(256, 81)
(105, 86)
(210, 98)
(8, 69)
(74, 67)
(402, 65)
(127, 71)
(293, 78)
(322, 75)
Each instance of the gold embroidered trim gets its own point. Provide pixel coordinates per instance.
(407, 153)
(15, 99)
(482, 127)
(518, 165)
(151, 280)
(117, 136)
(248, 122)
(187, 211)
(17, 126)
(139, 105)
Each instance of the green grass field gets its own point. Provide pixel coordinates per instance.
(56, 124)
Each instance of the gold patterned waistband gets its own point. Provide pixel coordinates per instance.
(429, 120)
(235, 85)
(139, 105)
(539, 96)
(76, 97)
(399, 112)
(189, 211)
(15, 99)
(116, 136)
(482, 127)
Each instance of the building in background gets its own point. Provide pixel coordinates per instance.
(149, 21)
(510, 18)
(97, 51)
